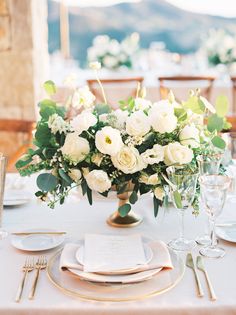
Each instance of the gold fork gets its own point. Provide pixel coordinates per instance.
(28, 266)
(40, 264)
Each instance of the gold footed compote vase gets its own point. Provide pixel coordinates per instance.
(130, 220)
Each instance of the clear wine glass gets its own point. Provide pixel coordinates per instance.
(183, 187)
(213, 191)
(208, 164)
(3, 233)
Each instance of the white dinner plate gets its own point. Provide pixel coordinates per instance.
(227, 233)
(148, 253)
(13, 197)
(37, 242)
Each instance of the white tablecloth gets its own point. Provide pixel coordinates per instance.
(78, 218)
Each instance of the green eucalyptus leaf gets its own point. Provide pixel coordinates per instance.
(177, 198)
(194, 104)
(215, 123)
(227, 125)
(102, 109)
(47, 108)
(65, 176)
(124, 210)
(133, 197)
(156, 205)
(50, 87)
(43, 135)
(218, 142)
(181, 114)
(47, 182)
(222, 105)
(23, 162)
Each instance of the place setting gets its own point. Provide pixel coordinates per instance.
(106, 267)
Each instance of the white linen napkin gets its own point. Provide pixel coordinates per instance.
(161, 257)
(104, 253)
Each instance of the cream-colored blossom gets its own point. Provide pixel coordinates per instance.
(98, 180)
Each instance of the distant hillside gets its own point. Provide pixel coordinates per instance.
(155, 20)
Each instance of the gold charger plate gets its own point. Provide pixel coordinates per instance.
(71, 284)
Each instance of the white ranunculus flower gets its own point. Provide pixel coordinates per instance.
(75, 148)
(137, 124)
(110, 62)
(154, 155)
(159, 193)
(83, 121)
(189, 136)
(120, 118)
(162, 117)
(98, 180)
(141, 103)
(76, 175)
(57, 124)
(83, 97)
(176, 153)
(108, 140)
(128, 160)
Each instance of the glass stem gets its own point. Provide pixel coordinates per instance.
(182, 233)
(213, 233)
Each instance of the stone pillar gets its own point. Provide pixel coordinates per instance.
(24, 60)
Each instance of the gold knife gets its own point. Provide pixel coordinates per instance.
(201, 267)
(38, 233)
(190, 264)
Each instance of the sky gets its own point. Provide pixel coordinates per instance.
(226, 8)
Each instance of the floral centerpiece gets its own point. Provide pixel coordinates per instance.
(220, 47)
(113, 54)
(101, 148)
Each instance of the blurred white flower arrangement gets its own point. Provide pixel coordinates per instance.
(113, 54)
(220, 47)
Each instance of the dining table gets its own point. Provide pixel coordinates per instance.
(77, 218)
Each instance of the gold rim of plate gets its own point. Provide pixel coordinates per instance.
(93, 297)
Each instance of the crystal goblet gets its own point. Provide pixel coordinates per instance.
(183, 187)
(213, 191)
(208, 164)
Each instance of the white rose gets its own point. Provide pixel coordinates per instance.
(120, 118)
(108, 140)
(154, 155)
(76, 175)
(162, 117)
(141, 103)
(75, 148)
(137, 124)
(98, 180)
(83, 121)
(83, 97)
(189, 136)
(159, 193)
(176, 153)
(128, 160)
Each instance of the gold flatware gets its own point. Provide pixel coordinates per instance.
(40, 264)
(38, 233)
(190, 264)
(28, 266)
(201, 267)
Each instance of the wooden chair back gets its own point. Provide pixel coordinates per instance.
(205, 83)
(15, 126)
(233, 80)
(120, 88)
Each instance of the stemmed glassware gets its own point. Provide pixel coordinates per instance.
(213, 191)
(208, 164)
(182, 188)
(3, 233)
